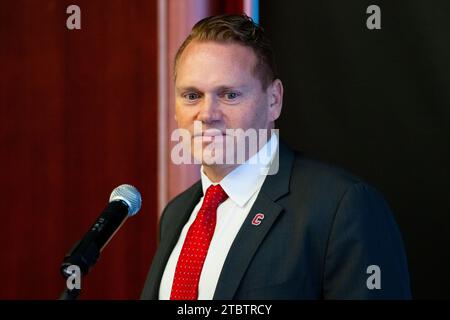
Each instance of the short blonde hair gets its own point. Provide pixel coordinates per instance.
(239, 29)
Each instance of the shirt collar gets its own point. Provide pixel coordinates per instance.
(241, 183)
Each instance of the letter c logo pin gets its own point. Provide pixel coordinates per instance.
(257, 219)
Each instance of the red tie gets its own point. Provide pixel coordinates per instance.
(196, 245)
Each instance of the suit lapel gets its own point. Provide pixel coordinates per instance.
(250, 236)
(179, 213)
(245, 246)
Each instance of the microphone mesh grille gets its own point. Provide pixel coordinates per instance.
(130, 195)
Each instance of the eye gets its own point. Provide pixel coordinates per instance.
(191, 96)
(231, 96)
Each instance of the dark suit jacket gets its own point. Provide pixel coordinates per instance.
(322, 229)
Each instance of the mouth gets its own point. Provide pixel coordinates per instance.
(210, 134)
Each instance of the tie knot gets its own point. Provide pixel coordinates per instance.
(214, 196)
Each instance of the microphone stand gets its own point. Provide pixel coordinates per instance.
(84, 259)
(70, 294)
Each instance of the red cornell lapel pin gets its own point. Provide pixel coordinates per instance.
(257, 219)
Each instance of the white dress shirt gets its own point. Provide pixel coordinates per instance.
(242, 186)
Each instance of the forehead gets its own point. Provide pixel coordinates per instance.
(215, 64)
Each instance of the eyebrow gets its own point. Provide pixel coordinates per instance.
(184, 89)
(220, 88)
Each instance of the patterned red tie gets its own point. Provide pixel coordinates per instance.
(196, 245)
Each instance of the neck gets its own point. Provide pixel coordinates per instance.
(217, 173)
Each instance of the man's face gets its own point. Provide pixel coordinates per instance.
(216, 85)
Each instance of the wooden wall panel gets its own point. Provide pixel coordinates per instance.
(78, 116)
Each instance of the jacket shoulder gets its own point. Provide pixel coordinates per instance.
(320, 174)
(185, 195)
(178, 204)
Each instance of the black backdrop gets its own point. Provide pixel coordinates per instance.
(376, 102)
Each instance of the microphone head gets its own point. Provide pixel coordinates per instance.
(128, 194)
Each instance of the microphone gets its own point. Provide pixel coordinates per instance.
(125, 201)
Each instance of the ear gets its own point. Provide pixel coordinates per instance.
(275, 95)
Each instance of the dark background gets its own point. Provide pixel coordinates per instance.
(377, 103)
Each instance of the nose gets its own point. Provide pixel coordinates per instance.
(209, 111)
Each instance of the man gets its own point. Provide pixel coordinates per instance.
(310, 231)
